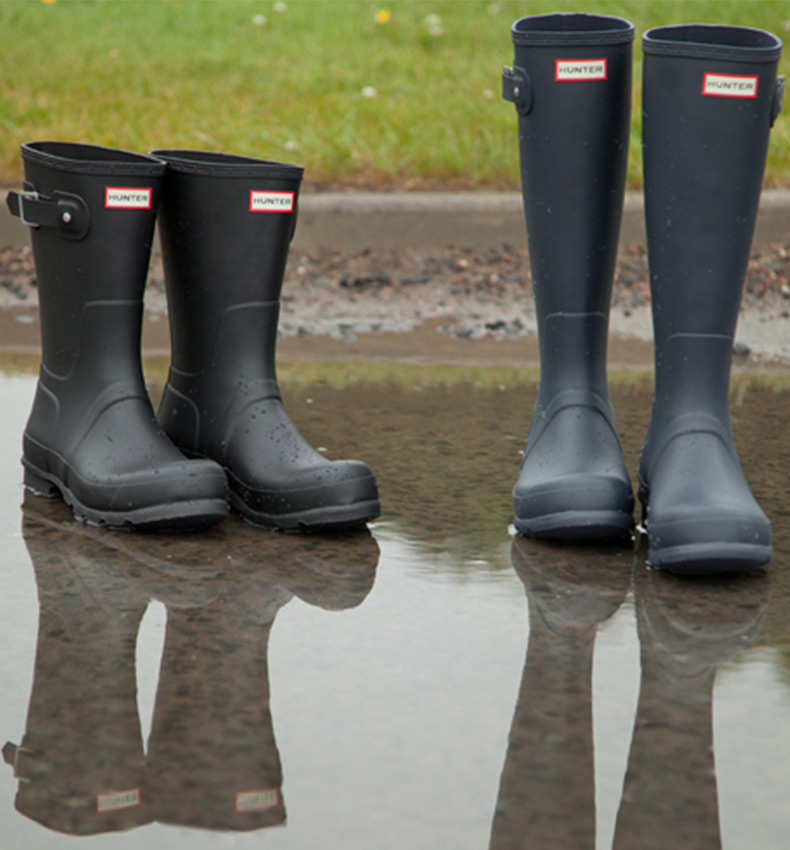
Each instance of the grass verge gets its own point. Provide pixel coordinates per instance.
(376, 94)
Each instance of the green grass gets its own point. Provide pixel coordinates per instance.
(141, 75)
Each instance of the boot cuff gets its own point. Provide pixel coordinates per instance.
(90, 159)
(211, 164)
(571, 29)
(710, 41)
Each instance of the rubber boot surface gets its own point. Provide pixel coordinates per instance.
(710, 95)
(92, 436)
(226, 223)
(571, 84)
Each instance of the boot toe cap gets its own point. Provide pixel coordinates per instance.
(575, 507)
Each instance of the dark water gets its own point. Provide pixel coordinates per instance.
(428, 683)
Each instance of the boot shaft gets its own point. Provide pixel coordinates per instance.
(92, 212)
(225, 225)
(571, 84)
(710, 96)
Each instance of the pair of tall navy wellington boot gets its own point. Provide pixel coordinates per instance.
(221, 434)
(709, 98)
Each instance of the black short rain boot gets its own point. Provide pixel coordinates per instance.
(92, 436)
(710, 96)
(226, 223)
(571, 84)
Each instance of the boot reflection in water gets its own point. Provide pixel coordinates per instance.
(687, 628)
(212, 756)
(547, 789)
(212, 759)
(80, 765)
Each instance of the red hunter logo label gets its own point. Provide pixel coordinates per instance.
(263, 200)
(570, 70)
(127, 198)
(729, 85)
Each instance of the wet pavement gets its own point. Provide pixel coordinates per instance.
(430, 682)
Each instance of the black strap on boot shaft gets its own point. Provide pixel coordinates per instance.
(65, 212)
(517, 88)
(778, 101)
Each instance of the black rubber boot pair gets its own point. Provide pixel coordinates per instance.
(92, 437)
(710, 95)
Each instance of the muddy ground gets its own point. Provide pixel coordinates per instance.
(445, 304)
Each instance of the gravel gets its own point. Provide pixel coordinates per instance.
(468, 293)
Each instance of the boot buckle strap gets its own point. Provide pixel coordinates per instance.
(65, 212)
(778, 99)
(13, 754)
(517, 88)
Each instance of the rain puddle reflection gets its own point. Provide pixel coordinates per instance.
(429, 682)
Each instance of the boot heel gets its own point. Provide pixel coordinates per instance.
(40, 486)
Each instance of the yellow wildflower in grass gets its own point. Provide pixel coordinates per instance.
(383, 16)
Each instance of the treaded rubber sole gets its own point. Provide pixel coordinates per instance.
(709, 558)
(172, 516)
(577, 525)
(704, 558)
(328, 518)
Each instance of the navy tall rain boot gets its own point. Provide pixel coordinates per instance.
(710, 96)
(225, 224)
(571, 84)
(92, 436)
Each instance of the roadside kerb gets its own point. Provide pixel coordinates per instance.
(351, 221)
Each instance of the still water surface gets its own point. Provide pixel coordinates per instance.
(428, 683)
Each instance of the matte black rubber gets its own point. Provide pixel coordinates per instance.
(571, 83)
(709, 96)
(92, 436)
(225, 225)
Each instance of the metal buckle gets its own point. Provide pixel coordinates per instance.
(27, 195)
(19, 752)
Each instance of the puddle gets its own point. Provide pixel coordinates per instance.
(429, 683)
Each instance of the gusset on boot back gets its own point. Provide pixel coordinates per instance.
(226, 223)
(571, 85)
(710, 96)
(92, 436)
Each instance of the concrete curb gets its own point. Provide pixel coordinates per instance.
(352, 221)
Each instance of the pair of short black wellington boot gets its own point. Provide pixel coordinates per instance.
(221, 433)
(709, 98)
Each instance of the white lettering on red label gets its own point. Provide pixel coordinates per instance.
(113, 801)
(268, 201)
(257, 801)
(729, 85)
(570, 70)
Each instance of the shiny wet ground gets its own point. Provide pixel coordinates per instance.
(429, 683)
